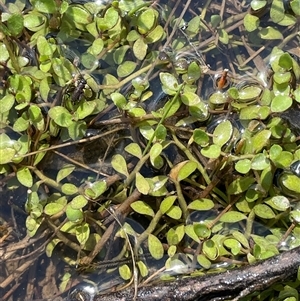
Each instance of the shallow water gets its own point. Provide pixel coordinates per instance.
(214, 56)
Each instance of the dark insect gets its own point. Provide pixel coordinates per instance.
(78, 91)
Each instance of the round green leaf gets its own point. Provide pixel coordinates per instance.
(78, 14)
(222, 133)
(212, 151)
(251, 22)
(281, 103)
(53, 208)
(61, 116)
(134, 149)
(260, 162)
(126, 68)
(202, 231)
(69, 189)
(200, 137)
(6, 155)
(174, 212)
(78, 202)
(74, 215)
(119, 164)
(232, 217)
(182, 170)
(167, 203)
(141, 184)
(258, 4)
(169, 83)
(140, 48)
(240, 185)
(279, 202)
(270, 33)
(125, 272)
(203, 261)
(142, 208)
(210, 249)
(291, 182)
(264, 211)
(243, 166)
(155, 247)
(146, 21)
(24, 176)
(201, 204)
(82, 233)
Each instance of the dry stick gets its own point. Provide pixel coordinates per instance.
(233, 284)
(120, 210)
(20, 270)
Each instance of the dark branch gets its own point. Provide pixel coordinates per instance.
(232, 284)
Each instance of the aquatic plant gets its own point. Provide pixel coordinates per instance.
(143, 142)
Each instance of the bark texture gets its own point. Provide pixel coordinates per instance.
(233, 284)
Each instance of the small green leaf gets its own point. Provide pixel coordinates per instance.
(167, 203)
(141, 184)
(281, 103)
(201, 204)
(260, 162)
(134, 149)
(279, 202)
(126, 68)
(78, 202)
(146, 21)
(212, 151)
(64, 172)
(82, 233)
(142, 268)
(142, 208)
(251, 22)
(119, 164)
(174, 212)
(182, 170)
(78, 14)
(277, 11)
(51, 245)
(243, 166)
(61, 116)
(232, 217)
(6, 103)
(74, 215)
(222, 133)
(69, 189)
(240, 185)
(210, 249)
(260, 140)
(24, 176)
(223, 36)
(140, 48)
(85, 109)
(264, 211)
(169, 83)
(155, 247)
(270, 33)
(203, 261)
(53, 208)
(200, 137)
(6, 155)
(190, 231)
(291, 182)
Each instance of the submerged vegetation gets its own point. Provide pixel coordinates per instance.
(142, 140)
